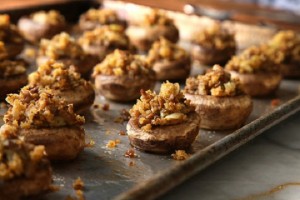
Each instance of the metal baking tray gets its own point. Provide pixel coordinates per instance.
(108, 174)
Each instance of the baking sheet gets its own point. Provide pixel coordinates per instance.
(108, 174)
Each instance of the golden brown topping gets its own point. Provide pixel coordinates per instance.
(9, 68)
(156, 17)
(4, 20)
(102, 16)
(216, 82)
(55, 76)
(180, 155)
(35, 107)
(163, 49)
(112, 36)
(130, 153)
(78, 184)
(121, 63)
(215, 37)
(112, 143)
(52, 17)
(8, 32)
(287, 43)
(254, 60)
(60, 46)
(18, 158)
(166, 108)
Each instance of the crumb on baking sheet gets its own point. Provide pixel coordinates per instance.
(216, 82)
(180, 155)
(105, 107)
(121, 132)
(78, 184)
(90, 144)
(113, 143)
(275, 102)
(130, 153)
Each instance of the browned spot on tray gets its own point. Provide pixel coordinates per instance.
(271, 191)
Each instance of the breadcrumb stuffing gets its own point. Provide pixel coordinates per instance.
(113, 143)
(180, 155)
(156, 17)
(163, 49)
(61, 46)
(216, 82)
(101, 16)
(121, 63)
(35, 107)
(10, 68)
(255, 59)
(56, 76)
(9, 32)
(215, 37)
(166, 108)
(52, 17)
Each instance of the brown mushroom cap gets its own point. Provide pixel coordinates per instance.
(62, 143)
(164, 139)
(123, 88)
(221, 113)
(259, 84)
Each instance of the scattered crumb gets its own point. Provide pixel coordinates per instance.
(78, 184)
(96, 106)
(105, 107)
(131, 163)
(124, 116)
(122, 133)
(90, 144)
(80, 195)
(275, 102)
(180, 155)
(130, 153)
(113, 143)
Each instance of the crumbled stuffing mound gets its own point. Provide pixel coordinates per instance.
(156, 17)
(255, 59)
(112, 36)
(180, 155)
(52, 17)
(216, 82)
(163, 49)
(8, 31)
(288, 43)
(55, 76)
(215, 37)
(102, 16)
(9, 68)
(61, 46)
(166, 108)
(18, 159)
(38, 108)
(121, 63)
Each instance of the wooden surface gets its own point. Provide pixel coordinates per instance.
(243, 12)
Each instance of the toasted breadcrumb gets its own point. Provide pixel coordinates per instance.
(122, 132)
(156, 17)
(113, 143)
(78, 184)
(275, 102)
(102, 16)
(166, 108)
(130, 153)
(180, 155)
(90, 144)
(105, 107)
(216, 82)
